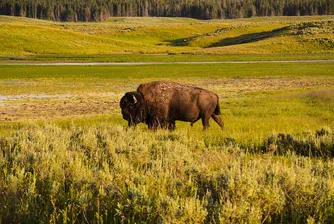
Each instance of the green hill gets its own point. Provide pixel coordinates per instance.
(267, 35)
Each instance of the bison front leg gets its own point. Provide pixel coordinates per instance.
(152, 126)
(131, 124)
(218, 120)
(153, 123)
(171, 125)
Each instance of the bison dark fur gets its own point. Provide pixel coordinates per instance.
(160, 104)
(133, 108)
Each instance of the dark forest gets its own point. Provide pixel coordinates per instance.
(99, 10)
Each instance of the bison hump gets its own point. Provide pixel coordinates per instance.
(161, 91)
(157, 96)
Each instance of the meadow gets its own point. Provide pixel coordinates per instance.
(188, 39)
(66, 155)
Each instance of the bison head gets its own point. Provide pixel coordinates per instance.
(133, 108)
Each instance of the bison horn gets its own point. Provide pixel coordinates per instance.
(134, 99)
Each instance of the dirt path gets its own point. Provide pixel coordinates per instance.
(159, 63)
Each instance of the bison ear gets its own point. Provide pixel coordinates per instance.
(134, 99)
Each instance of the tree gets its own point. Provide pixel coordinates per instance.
(98, 10)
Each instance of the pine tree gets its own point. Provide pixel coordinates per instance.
(99, 10)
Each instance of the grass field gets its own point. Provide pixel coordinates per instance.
(66, 155)
(281, 37)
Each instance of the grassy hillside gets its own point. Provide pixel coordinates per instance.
(276, 35)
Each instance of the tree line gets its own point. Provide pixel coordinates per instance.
(99, 10)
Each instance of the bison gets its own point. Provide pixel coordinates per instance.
(160, 104)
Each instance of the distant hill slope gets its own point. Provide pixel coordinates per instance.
(23, 36)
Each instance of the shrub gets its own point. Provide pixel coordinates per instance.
(320, 144)
(107, 174)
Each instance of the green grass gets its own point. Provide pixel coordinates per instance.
(279, 35)
(119, 72)
(256, 99)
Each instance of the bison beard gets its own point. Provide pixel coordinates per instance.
(160, 104)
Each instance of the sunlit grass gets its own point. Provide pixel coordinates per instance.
(64, 159)
(93, 173)
(164, 36)
(256, 99)
(87, 73)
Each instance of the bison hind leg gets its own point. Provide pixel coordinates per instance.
(218, 120)
(205, 122)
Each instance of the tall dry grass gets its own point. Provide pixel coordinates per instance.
(111, 175)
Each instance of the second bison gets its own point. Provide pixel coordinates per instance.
(160, 104)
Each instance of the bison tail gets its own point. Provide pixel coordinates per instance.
(217, 109)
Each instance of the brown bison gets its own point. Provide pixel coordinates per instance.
(160, 104)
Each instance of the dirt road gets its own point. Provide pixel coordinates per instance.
(158, 63)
